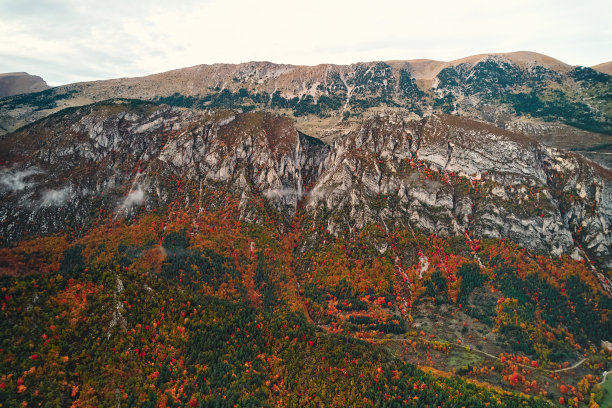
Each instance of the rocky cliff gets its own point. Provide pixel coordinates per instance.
(450, 176)
(442, 175)
(123, 156)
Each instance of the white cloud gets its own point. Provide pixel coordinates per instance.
(55, 198)
(282, 193)
(15, 181)
(70, 40)
(135, 197)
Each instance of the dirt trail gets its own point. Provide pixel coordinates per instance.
(603, 377)
(472, 349)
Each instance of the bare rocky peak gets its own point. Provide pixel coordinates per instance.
(16, 83)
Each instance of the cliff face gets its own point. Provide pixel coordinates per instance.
(443, 175)
(449, 176)
(256, 156)
(121, 156)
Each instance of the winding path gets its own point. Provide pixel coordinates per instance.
(604, 375)
(472, 349)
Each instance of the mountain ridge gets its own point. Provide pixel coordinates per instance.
(522, 57)
(516, 56)
(520, 90)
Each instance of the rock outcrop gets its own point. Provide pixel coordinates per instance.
(124, 155)
(447, 175)
(442, 175)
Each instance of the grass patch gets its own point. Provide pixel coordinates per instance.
(606, 388)
(460, 358)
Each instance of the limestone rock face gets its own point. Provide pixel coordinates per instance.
(108, 155)
(446, 175)
(441, 174)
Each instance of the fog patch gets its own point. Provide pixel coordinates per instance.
(430, 185)
(55, 198)
(318, 193)
(281, 193)
(16, 181)
(135, 197)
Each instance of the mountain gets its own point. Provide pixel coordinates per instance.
(605, 67)
(521, 91)
(16, 83)
(109, 149)
(154, 254)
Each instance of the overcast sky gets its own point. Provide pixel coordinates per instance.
(76, 40)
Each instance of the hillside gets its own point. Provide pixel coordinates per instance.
(161, 255)
(605, 67)
(15, 83)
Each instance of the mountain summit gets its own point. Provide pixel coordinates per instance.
(15, 83)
